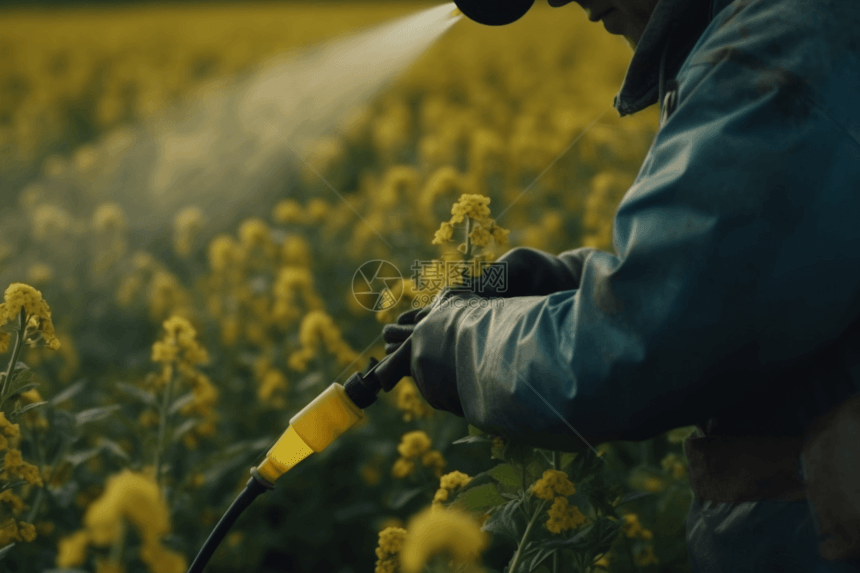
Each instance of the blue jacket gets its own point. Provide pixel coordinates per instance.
(732, 301)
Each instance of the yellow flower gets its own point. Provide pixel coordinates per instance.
(40, 273)
(16, 504)
(390, 543)
(273, 382)
(370, 475)
(436, 530)
(295, 251)
(402, 468)
(471, 205)
(9, 429)
(186, 226)
(318, 209)
(109, 218)
(27, 531)
(132, 496)
(288, 211)
(673, 464)
(413, 444)
(223, 253)
(646, 557)
(454, 480)
(316, 326)
(632, 528)
(552, 483)
(653, 484)
(14, 465)
(444, 234)
(253, 231)
(563, 517)
(448, 483)
(410, 401)
(162, 560)
(434, 460)
(20, 296)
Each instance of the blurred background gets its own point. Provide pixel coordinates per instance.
(234, 164)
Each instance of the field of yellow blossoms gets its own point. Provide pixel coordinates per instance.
(141, 382)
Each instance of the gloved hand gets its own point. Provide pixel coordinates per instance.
(530, 272)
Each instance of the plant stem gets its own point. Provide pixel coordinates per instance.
(524, 541)
(34, 509)
(115, 556)
(16, 353)
(162, 428)
(468, 240)
(556, 465)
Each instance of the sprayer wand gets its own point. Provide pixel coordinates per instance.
(330, 414)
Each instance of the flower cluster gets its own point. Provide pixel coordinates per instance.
(673, 464)
(180, 349)
(414, 445)
(448, 483)
(129, 497)
(20, 297)
(318, 326)
(409, 400)
(482, 229)
(633, 529)
(435, 531)
(562, 516)
(186, 226)
(390, 544)
(553, 482)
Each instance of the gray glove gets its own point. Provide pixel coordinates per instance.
(529, 272)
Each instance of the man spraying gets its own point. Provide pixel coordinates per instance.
(733, 301)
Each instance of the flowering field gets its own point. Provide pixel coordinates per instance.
(140, 384)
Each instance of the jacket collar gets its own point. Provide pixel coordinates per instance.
(684, 21)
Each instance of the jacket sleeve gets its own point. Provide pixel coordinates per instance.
(738, 254)
(536, 273)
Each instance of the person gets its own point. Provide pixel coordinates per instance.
(732, 301)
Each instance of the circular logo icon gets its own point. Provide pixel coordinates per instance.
(374, 284)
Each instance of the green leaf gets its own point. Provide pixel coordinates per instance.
(181, 402)
(29, 407)
(138, 394)
(183, 429)
(400, 498)
(633, 497)
(78, 458)
(508, 522)
(5, 551)
(473, 431)
(95, 414)
(472, 440)
(68, 393)
(566, 459)
(507, 474)
(585, 465)
(114, 448)
(519, 453)
(540, 554)
(12, 484)
(480, 498)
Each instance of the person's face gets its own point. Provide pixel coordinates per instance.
(620, 17)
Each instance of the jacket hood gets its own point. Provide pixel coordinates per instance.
(680, 22)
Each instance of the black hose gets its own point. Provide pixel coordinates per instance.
(255, 486)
